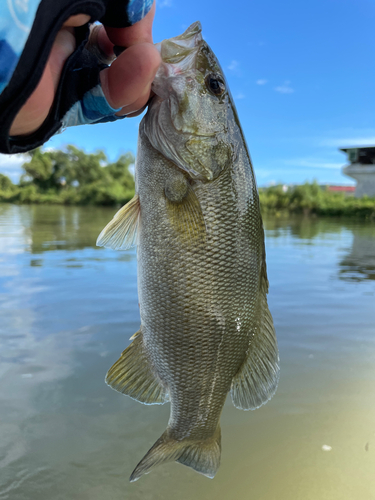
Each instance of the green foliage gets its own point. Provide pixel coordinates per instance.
(40, 169)
(312, 199)
(6, 184)
(71, 177)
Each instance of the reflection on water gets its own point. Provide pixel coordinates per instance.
(360, 262)
(67, 310)
(357, 264)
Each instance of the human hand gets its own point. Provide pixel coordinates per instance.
(126, 83)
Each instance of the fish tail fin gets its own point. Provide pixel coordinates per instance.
(201, 455)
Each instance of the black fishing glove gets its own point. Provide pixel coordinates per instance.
(79, 98)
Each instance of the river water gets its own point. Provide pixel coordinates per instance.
(67, 310)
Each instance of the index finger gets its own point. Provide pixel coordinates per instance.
(140, 32)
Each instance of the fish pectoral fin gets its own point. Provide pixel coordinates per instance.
(132, 375)
(256, 381)
(186, 218)
(202, 455)
(121, 232)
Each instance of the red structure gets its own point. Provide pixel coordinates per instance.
(342, 189)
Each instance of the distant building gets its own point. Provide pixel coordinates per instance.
(362, 169)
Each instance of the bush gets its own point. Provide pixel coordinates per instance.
(312, 199)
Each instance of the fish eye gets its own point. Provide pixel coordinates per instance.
(215, 84)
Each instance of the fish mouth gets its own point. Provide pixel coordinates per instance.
(175, 50)
(178, 57)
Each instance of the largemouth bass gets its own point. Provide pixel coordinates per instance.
(205, 324)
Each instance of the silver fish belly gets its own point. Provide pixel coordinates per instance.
(205, 324)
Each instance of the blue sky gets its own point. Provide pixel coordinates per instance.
(302, 75)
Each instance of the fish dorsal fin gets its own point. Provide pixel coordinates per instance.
(256, 381)
(121, 232)
(186, 217)
(132, 375)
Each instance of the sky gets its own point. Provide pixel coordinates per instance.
(302, 75)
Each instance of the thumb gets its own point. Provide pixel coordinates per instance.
(127, 82)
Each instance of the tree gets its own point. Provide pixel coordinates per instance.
(120, 171)
(76, 166)
(5, 183)
(39, 169)
(74, 176)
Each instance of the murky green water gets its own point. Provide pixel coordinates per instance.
(67, 310)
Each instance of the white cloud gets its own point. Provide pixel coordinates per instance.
(344, 138)
(262, 172)
(240, 95)
(344, 142)
(285, 88)
(131, 169)
(10, 165)
(261, 81)
(310, 162)
(8, 161)
(331, 139)
(164, 3)
(233, 65)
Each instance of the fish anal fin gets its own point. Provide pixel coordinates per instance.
(202, 455)
(186, 218)
(132, 375)
(256, 381)
(121, 232)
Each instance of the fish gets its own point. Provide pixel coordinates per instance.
(206, 329)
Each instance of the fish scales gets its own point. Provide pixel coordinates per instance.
(188, 317)
(205, 324)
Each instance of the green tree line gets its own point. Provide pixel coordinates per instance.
(71, 177)
(74, 177)
(310, 198)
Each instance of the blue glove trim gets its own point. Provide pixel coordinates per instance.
(137, 9)
(93, 107)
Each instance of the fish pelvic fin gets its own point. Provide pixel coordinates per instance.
(256, 381)
(121, 232)
(202, 455)
(132, 375)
